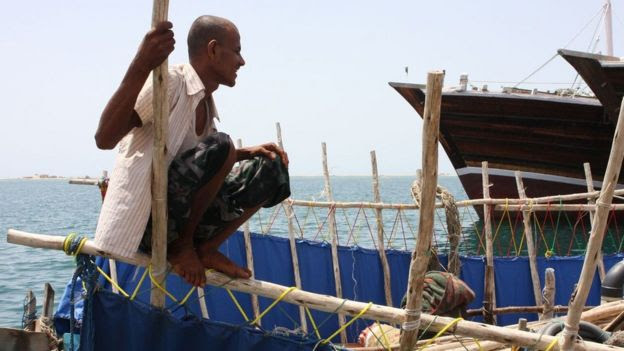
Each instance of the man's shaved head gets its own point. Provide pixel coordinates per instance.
(207, 28)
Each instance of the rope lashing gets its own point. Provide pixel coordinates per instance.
(413, 324)
(450, 325)
(72, 245)
(279, 298)
(356, 317)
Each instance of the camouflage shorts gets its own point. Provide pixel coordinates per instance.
(251, 183)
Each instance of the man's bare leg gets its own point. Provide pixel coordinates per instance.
(181, 253)
(210, 256)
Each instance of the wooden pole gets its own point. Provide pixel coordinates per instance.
(45, 320)
(334, 240)
(255, 305)
(327, 303)
(30, 311)
(579, 296)
(490, 289)
(381, 246)
(292, 242)
(429, 183)
(590, 201)
(201, 295)
(528, 235)
(549, 295)
(159, 167)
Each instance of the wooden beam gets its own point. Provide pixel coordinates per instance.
(489, 290)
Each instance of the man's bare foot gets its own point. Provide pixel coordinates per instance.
(186, 264)
(217, 261)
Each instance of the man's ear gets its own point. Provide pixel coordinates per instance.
(211, 48)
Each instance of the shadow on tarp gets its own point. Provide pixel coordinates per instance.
(123, 325)
(362, 280)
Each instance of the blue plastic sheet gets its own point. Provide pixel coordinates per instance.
(362, 280)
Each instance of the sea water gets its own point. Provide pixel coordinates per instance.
(53, 206)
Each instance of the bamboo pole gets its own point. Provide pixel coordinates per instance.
(381, 246)
(489, 290)
(549, 295)
(535, 204)
(590, 188)
(255, 304)
(579, 296)
(528, 234)
(429, 183)
(292, 242)
(159, 168)
(334, 240)
(327, 303)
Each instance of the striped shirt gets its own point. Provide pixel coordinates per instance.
(127, 205)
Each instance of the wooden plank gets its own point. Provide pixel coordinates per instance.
(422, 251)
(159, 168)
(30, 311)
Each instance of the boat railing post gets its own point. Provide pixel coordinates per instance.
(429, 183)
(590, 188)
(381, 246)
(159, 168)
(548, 295)
(489, 303)
(288, 210)
(528, 235)
(579, 296)
(255, 305)
(334, 239)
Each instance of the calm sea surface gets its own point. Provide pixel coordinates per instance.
(56, 207)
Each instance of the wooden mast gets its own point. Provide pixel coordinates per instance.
(159, 167)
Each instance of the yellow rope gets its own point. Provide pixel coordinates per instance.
(149, 268)
(348, 323)
(110, 280)
(279, 298)
(136, 289)
(442, 331)
(188, 294)
(316, 331)
(383, 334)
(552, 344)
(240, 308)
(83, 241)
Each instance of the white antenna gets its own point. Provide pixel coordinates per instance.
(608, 28)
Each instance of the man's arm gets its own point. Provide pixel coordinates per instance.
(269, 150)
(119, 116)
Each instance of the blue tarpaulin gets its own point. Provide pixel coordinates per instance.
(362, 280)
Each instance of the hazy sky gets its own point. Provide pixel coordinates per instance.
(320, 68)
